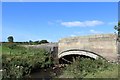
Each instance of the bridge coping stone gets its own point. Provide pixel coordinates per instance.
(88, 36)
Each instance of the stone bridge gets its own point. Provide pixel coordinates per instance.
(93, 46)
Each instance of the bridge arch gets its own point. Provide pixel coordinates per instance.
(78, 52)
(102, 44)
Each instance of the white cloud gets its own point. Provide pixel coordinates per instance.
(54, 22)
(95, 32)
(112, 23)
(72, 35)
(82, 24)
(78, 33)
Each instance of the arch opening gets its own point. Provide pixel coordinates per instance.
(68, 59)
(67, 56)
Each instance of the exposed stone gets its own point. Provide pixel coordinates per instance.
(104, 45)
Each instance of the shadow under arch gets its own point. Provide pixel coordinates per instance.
(68, 58)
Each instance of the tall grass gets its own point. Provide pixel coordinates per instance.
(112, 72)
(87, 68)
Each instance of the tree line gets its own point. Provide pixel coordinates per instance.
(11, 40)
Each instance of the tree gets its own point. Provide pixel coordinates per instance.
(43, 41)
(118, 29)
(36, 42)
(30, 42)
(10, 39)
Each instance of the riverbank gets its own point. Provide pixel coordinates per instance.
(18, 61)
(87, 68)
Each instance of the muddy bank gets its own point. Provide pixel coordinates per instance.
(50, 72)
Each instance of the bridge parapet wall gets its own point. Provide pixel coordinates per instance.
(104, 45)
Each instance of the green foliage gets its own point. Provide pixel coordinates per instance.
(82, 67)
(118, 29)
(21, 61)
(43, 41)
(37, 42)
(30, 42)
(12, 46)
(112, 72)
(10, 39)
(0, 49)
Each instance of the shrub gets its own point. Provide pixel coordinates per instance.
(83, 66)
(21, 61)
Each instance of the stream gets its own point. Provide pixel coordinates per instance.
(48, 73)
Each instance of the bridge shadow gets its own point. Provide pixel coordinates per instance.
(68, 59)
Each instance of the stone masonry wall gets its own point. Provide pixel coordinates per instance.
(104, 45)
